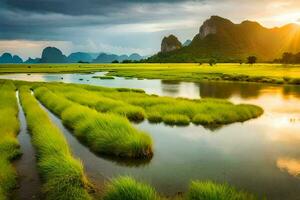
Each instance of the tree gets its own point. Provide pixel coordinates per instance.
(252, 59)
(287, 57)
(212, 62)
(127, 61)
(115, 61)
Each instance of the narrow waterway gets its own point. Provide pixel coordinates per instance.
(29, 184)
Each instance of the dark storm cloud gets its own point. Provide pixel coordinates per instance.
(79, 7)
(53, 19)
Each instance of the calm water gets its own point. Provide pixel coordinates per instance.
(29, 184)
(261, 155)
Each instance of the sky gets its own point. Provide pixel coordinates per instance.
(123, 27)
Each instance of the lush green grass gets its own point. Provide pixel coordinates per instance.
(104, 77)
(104, 133)
(263, 73)
(127, 188)
(211, 191)
(63, 175)
(173, 111)
(9, 146)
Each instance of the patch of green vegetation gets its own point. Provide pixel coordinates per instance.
(104, 77)
(105, 133)
(62, 175)
(262, 73)
(9, 145)
(172, 111)
(127, 188)
(211, 191)
(176, 119)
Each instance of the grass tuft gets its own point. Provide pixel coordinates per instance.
(209, 190)
(127, 188)
(175, 119)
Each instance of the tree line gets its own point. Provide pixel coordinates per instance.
(289, 58)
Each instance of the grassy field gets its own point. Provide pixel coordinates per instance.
(9, 145)
(62, 175)
(264, 73)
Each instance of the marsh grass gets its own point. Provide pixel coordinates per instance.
(176, 119)
(172, 111)
(209, 190)
(62, 175)
(104, 133)
(9, 145)
(126, 188)
(104, 77)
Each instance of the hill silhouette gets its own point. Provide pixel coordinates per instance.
(221, 39)
(9, 58)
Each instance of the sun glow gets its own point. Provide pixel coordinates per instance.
(288, 18)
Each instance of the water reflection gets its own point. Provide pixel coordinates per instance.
(226, 90)
(291, 165)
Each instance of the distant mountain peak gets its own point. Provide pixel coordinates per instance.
(187, 43)
(53, 55)
(9, 58)
(170, 43)
(212, 25)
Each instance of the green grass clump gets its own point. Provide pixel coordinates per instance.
(62, 175)
(127, 188)
(204, 119)
(104, 77)
(154, 117)
(9, 145)
(173, 111)
(104, 133)
(133, 113)
(209, 190)
(175, 119)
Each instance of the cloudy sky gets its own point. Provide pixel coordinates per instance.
(123, 27)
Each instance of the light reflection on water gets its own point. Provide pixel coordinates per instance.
(261, 155)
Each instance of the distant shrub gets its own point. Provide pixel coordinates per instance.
(251, 59)
(295, 81)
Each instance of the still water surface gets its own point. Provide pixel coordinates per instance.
(261, 155)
